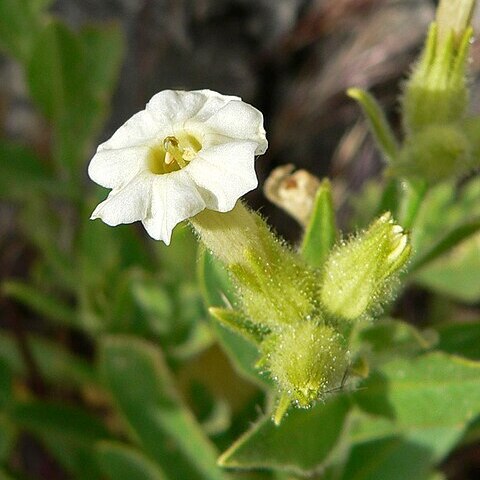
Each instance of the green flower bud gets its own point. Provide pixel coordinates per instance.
(437, 92)
(358, 274)
(434, 154)
(454, 15)
(275, 285)
(306, 360)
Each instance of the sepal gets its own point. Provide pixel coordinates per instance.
(434, 154)
(306, 360)
(236, 321)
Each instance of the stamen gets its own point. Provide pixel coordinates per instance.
(170, 141)
(173, 153)
(168, 158)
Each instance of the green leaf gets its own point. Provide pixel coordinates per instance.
(178, 258)
(7, 432)
(217, 288)
(44, 304)
(390, 198)
(200, 337)
(103, 47)
(411, 203)
(22, 171)
(154, 299)
(373, 200)
(62, 421)
(446, 244)
(219, 292)
(71, 77)
(472, 434)
(69, 433)
(365, 204)
(460, 339)
(110, 263)
(388, 338)
(378, 123)
(56, 365)
(103, 249)
(41, 226)
(140, 384)
(419, 409)
(5, 384)
(55, 73)
(121, 462)
(455, 274)
(78, 459)
(445, 208)
(7, 438)
(434, 217)
(321, 232)
(389, 458)
(428, 400)
(102, 52)
(118, 312)
(20, 22)
(304, 442)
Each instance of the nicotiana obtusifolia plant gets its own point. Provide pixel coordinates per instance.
(217, 350)
(190, 155)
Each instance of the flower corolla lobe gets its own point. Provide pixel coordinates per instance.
(185, 152)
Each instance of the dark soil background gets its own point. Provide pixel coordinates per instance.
(292, 59)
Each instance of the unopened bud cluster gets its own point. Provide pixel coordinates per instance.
(441, 141)
(299, 316)
(437, 146)
(307, 359)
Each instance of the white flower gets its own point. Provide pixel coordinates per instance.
(185, 152)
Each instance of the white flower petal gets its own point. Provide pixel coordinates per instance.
(224, 173)
(239, 121)
(141, 129)
(176, 107)
(128, 204)
(230, 134)
(115, 168)
(174, 198)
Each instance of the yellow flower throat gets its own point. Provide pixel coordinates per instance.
(173, 153)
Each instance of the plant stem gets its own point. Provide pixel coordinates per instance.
(411, 202)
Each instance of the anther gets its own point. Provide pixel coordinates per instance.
(173, 152)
